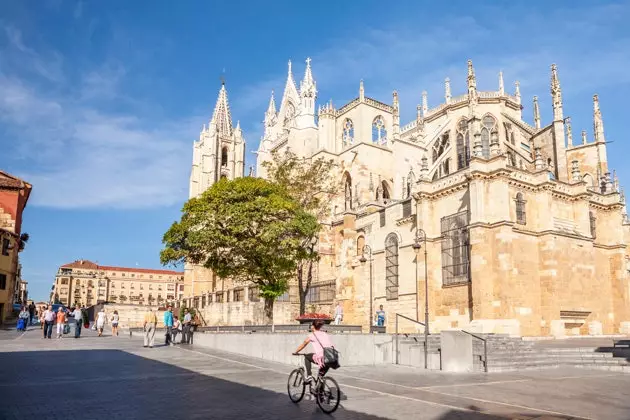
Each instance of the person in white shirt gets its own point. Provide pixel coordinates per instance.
(187, 327)
(77, 314)
(177, 328)
(100, 321)
(49, 320)
(338, 314)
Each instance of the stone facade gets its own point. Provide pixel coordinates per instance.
(14, 194)
(86, 283)
(524, 229)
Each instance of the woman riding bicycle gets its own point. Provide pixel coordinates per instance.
(319, 340)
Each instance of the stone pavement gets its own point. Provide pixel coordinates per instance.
(115, 378)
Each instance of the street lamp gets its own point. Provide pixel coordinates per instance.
(368, 250)
(421, 236)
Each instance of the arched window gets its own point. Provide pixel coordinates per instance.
(386, 195)
(360, 245)
(521, 215)
(440, 145)
(391, 266)
(463, 144)
(593, 221)
(489, 124)
(347, 182)
(224, 156)
(348, 133)
(588, 178)
(379, 133)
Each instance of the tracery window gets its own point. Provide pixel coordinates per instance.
(391, 266)
(455, 251)
(463, 145)
(521, 215)
(489, 124)
(385, 191)
(224, 156)
(440, 145)
(348, 191)
(379, 133)
(348, 133)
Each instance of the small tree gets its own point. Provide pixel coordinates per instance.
(181, 312)
(122, 298)
(248, 229)
(311, 183)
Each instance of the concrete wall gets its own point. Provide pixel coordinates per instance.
(354, 349)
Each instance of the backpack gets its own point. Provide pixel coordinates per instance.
(331, 355)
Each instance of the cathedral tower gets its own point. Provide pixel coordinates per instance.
(220, 150)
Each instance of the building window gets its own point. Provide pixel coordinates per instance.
(391, 266)
(489, 125)
(406, 208)
(284, 297)
(64, 281)
(203, 301)
(5, 246)
(321, 293)
(521, 215)
(440, 145)
(253, 293)
(382, 218)
(347, 191)
(360, 245)
(239, 295)
(348, 133)
(379, 133)
(219, 298)
(224, 156)
(593, 221)
(463, 144)
(455, 248)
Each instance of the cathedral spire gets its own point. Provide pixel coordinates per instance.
(447, 90)
(472, 80)
(517, 91)
(556, 94)
(567, 124)
(598, 123)
(425, 103)
(501, 85)
(271, 109)
(222, 117)
(308, 87)
(361, 91)
(536, 113)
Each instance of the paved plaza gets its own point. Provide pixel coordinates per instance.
(116, 378)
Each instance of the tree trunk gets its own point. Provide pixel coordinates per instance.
(269, 310)
(301, 291)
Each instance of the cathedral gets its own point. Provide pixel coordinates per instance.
(509, 227)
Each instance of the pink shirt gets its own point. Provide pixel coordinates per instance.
(325, 341)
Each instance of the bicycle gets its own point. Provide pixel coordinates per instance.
(325, 389)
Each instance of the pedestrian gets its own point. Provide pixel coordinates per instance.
(41, 318)
(187, 327)
(100, 321)
(338, 314)
(168, 324)
(61, 320)
(380, 317)
(77, 314)
(31, 312)
(48, 317)
(177, 329)
(115, 319)
(23, 319)
(150, 321)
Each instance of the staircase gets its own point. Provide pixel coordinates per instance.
(512, 354)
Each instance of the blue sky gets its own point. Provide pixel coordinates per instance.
(100, 101)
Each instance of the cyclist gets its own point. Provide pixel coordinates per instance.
(319, 340)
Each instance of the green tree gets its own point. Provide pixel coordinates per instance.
(312, 184)
(248, 229)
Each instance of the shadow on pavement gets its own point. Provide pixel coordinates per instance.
(112, 384)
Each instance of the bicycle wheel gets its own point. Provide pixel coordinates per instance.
(328, 395)
(296, 385)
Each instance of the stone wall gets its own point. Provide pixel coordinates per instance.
(246, 313)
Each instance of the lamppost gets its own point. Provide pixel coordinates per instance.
(368, 250)
(421, 236)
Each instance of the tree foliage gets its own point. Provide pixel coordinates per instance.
(247, 229)
(311, 183)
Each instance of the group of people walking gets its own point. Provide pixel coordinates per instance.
(173, 325)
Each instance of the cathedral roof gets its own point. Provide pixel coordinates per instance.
(222, 117)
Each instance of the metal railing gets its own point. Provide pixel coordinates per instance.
(286, 328)
(485, 348)
(397, 335)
